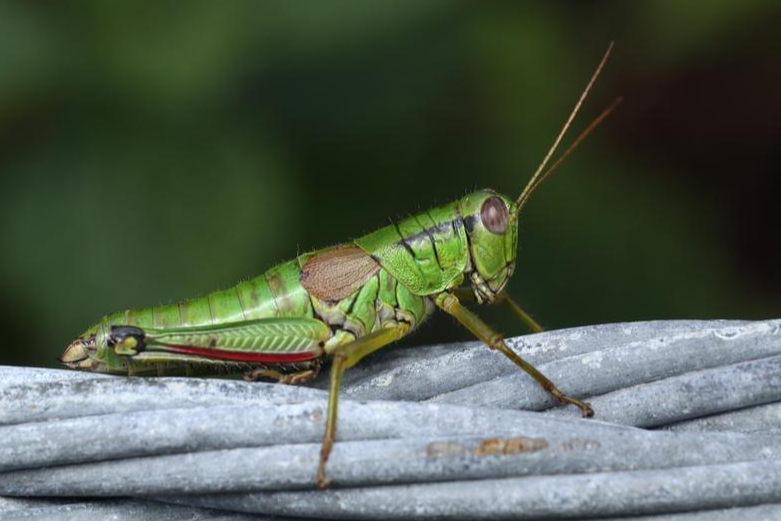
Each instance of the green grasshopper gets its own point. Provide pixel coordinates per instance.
(345, 301)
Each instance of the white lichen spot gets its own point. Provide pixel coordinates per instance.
(525, 349)
(382, 381)
(593, 359)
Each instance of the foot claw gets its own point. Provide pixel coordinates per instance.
(586, 409)
(322, 482)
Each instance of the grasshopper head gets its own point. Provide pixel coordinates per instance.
(493, 239)
(491, 219)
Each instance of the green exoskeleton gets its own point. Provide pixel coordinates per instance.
(345, 301)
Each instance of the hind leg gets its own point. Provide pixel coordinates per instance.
(297, 377)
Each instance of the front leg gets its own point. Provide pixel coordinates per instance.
(450, 304)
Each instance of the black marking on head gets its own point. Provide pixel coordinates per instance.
(469, 223)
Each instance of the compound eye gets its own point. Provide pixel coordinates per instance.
(494, 215)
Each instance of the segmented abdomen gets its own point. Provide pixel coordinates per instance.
(279, 293)
(276, 293)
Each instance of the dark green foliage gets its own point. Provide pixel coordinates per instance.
(154, 151)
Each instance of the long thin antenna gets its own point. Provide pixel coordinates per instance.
(605, 113)
(533, 181)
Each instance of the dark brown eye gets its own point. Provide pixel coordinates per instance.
(494, 215)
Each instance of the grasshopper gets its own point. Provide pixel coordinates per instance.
(344, 301)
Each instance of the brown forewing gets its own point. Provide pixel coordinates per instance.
(337, 273)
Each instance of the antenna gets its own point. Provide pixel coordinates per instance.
(539, 176)
(605, 113)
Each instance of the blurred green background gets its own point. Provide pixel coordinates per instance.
(152, 151)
